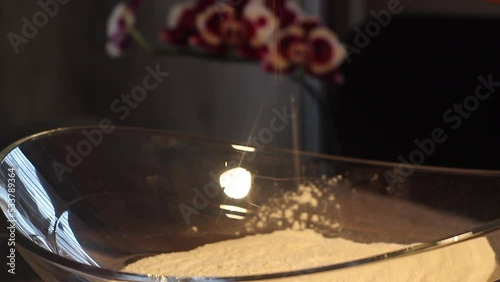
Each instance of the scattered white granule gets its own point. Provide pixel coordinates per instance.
(260, 224)
(288, 213)
(315, 218)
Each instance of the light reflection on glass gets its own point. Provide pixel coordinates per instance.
(234, 216)
(236, 182)
(37, 201)
(26, 175)
(233, 209)
(243, 148)
(69, 244)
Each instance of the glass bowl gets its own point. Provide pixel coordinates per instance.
(86, 202)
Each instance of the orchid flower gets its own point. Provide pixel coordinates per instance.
(181, 21)
(120, 22)
(287, 11)
(308, 46)
(245, 26)
(273, 31)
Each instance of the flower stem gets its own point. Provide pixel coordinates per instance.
(187, 52)
(141, 40)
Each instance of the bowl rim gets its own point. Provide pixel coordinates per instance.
(451, 170)
(109, 274)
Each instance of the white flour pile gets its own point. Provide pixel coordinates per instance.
(295, 250)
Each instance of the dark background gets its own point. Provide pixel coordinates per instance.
(397, 88)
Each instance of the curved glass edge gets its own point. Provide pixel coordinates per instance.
(108, 274)
(453, 170)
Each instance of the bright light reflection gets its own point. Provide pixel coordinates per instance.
(236, 182)
(233, 216)
(233, 209)
(243, 148)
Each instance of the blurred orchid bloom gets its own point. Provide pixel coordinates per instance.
(288, 12)
(308, 45)
(247, 27)
(120, 21)
(181, 21)
(276, 32)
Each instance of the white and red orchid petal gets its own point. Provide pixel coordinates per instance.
(327, 52)
(198, 42)
(294, 30)
(178, 13)
(120, 21)
(289, 37)
(262, 23)
(274, 61)
(121, 18)
(117, 44)
(209, 21)
(238, 5)
(113, 50)
(295, 11)
(203, 4)
(181, 23)
(288, 12)
(277, 55)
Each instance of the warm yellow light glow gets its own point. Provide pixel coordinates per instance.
(236, 182)
(243, 148)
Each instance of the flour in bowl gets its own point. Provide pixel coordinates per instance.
(290, 250)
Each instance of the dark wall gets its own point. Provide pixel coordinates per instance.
(62, 76)
(401, 85)
(54, 78)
